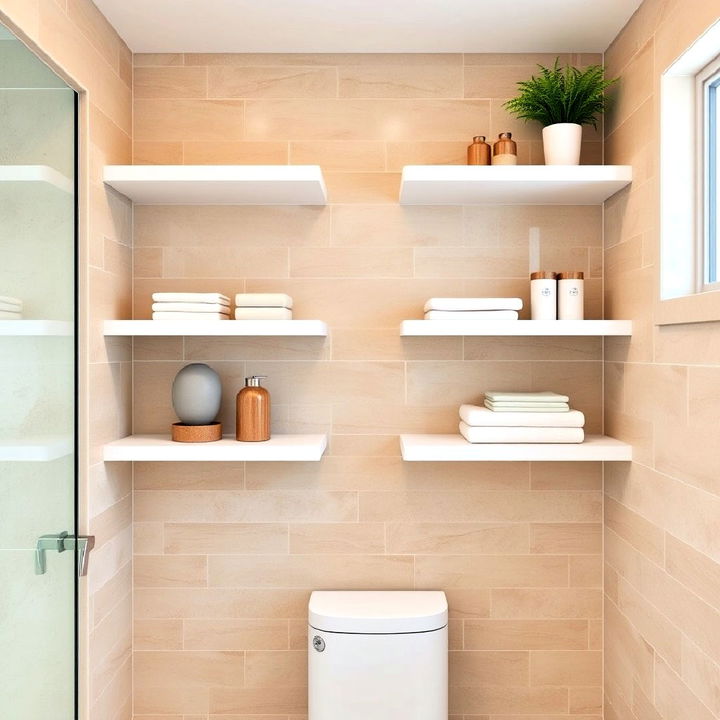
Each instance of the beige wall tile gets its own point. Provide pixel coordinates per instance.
(693, 569)
(350, 262)
(526, 634)
(339, 156)
(166, 571)
(150, 59)
(170, 82)
(430, 152)
(338, 539)
(240, 153)
(228, 634)
(570, 538)
(270, 669)
(470, 262)
(219, 538)
(177, 119)
(496, 699)
(157, 153)
(479, 669)
(551, 667)
(400, 81)
(228, 262)
(158, 634)
(228, 81)
(259, 701)
(187, 670)
(555, 603)
(635, 529)
(457, 538)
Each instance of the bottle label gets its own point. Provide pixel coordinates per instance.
(574, 292)
(545, 292)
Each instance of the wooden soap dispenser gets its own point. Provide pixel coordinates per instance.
(253, 411)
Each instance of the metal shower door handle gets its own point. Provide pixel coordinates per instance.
(61, 542)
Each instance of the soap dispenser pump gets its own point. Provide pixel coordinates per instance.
(253, 411)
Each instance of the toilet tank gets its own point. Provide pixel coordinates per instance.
(378, 655)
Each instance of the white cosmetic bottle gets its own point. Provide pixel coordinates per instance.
(543, 296)
(571, 296)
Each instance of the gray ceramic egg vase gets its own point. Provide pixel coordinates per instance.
(196, 397)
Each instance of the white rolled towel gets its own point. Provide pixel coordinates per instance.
(199, 317)
(263, 313)
(191, 307)
(476, 416)
(526, 397)
(264, 300)
(461, 304)
(471, 315)
(521, 434)
(191, 297)
(16, 304)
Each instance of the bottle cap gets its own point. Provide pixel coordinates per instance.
(573, 275)
(479, 138)
(543, 275)
(254, 381)
(505, 136)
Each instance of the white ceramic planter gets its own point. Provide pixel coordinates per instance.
(561, 143)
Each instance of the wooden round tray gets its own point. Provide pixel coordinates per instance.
(196, 433)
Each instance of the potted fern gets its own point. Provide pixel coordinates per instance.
(562, 99)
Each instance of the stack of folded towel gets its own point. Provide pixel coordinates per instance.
(10, 308)
(542, 417)
(473, 308)
(263, 306)
(190, 306)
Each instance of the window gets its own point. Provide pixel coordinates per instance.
(708, 82)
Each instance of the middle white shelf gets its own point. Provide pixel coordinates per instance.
(160, 448)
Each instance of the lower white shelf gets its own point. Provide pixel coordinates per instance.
(216, 328)
(43, 448)
(159, 448)
(516, 328)
(454, 448)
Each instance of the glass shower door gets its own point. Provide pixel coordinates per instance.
(38, 555)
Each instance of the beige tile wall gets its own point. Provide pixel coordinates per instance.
(226, 554)
(662, 549)
(79, 43)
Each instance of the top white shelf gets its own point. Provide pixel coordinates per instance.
(218, 184)
(512, 184)
(26, 174)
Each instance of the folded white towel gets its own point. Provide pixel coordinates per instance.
(200, 317)
(265, 300)
(528, 407)
(9, 307)
(476, 416)
(184, 297)
(263, 313)
(455, 304)
(471, 315)
(521, 434)
(11, 300)
(191, 307)
(5, 315)
(544, 397)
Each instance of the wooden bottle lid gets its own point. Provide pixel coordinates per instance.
(196, 433)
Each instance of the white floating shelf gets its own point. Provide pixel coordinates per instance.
(516, 328)
(28, 174)
(35, 449)
(221, 328)
(512, 184)
(159, 448)
(17, 328)
(219, 184)
(454, 448)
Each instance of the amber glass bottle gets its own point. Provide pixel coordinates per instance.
(253, 411)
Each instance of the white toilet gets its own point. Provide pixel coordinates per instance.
(378, 655)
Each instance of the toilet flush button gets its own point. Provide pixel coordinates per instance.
(318, 643)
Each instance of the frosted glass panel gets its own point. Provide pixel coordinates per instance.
(37, 386)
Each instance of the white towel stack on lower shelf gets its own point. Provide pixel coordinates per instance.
(522, 418)
(263, 306)
(190, 306)
(473, 308)
(10, 308)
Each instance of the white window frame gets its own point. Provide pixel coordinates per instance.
(708, 238)
(684, 296)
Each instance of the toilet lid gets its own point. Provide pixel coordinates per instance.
(378, 612)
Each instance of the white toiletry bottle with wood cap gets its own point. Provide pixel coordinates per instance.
(571, 296)
(543, 295)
